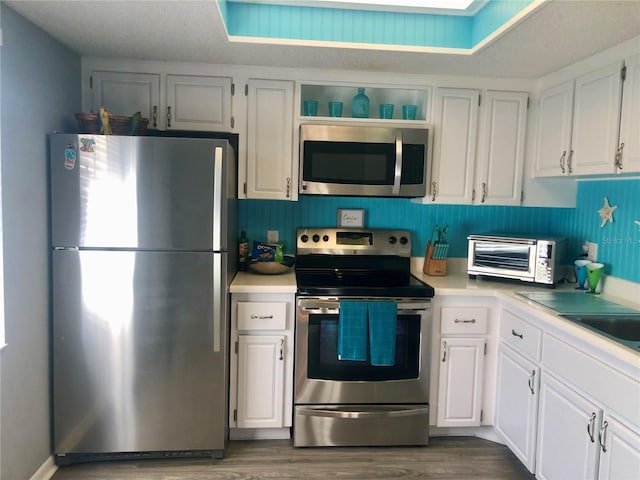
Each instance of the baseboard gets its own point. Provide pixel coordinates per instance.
(259, 433)
(46, 470)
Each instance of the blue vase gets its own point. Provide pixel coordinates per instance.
(360, 105)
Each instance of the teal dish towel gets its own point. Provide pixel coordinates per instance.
(352, 331)
(382, 332)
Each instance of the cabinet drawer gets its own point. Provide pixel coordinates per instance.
(524, 337)
(262, 315)
(465, 320)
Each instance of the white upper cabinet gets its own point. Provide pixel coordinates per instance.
(482, 168)
(596, 120)
(553, 140)
(629, 145)
(454, 148)
(578, 125)
(501, 148)
(124, 93)
(270, 168)
(196, 102)
(178, 102)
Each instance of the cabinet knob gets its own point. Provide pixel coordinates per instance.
(288, 187)
(444, 352)
(433, 191)
(281, 349)
(516, 334)
(168, 117)
(155, 115)
(457, 320)
(261, 317)
(484, 192)
(531, 381)
(569, 161)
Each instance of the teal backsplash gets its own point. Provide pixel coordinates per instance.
(618, 242)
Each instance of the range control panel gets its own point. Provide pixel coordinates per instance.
(353, 241)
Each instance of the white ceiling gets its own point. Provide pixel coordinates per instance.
(558, 34)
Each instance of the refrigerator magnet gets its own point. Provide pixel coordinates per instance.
(70, 157)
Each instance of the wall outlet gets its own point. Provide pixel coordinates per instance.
(272, 236)
(592, 251)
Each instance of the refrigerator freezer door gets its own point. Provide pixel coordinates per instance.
(140, 192)
(139, 351)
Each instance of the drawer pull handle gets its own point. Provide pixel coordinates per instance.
(444, 352)
(281, 349)
(261, 317)
(457, 320)
(590, 426)
(602, 436)
(516, 334)
(531, 378)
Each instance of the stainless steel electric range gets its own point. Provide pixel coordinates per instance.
(345, 401)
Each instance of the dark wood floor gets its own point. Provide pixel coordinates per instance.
(445, 458)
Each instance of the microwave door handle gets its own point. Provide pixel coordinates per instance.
(398, 170)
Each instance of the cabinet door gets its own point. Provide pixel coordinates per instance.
(620, 451)
(517, 404)
(456, 122)
(596, 121)
(567, 433)
(553, 139)
(124, 93)
(460, 384)
(629, 145)
(270, 140)
(501, 151)
(260, 380)
(198, 103)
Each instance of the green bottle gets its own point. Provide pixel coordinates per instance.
(360, 105)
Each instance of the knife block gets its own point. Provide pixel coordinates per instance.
(435, 268)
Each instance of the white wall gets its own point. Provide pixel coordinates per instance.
(41, 92)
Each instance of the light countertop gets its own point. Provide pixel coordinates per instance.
(247, 282)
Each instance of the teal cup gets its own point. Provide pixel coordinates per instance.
(310, 108)
(409, 112)
(335, 109)
(581, 273)
(386, 110)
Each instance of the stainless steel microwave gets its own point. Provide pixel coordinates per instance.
(520, 257)
(364, 160)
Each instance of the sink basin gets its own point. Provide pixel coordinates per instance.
(623, 328)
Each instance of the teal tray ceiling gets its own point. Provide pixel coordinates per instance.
(262, 22)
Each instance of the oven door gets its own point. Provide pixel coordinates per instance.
(502, 257)
(322, 379)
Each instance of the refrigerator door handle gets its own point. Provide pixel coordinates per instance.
(217, 198)
(218, 311)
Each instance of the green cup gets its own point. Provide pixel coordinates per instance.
(594, 272)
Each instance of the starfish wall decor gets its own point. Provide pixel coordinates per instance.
(606, 212)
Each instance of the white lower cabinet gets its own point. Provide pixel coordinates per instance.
(620, 451)
(261, 365)
(567, 433)
(260, 380)
(460, 383)
(517, 404)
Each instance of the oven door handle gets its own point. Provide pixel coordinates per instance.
(315, 305)
(326, 412)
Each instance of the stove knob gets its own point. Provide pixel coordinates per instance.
(304, 238)
(325, 238)
(404, 240)
(392, 240)
(316, 238)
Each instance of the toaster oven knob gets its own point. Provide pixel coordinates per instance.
(325, 238)
(392, 240)
(316, 238)
(404, 240)
(304, 238)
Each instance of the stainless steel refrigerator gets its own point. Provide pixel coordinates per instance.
(142, 229)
